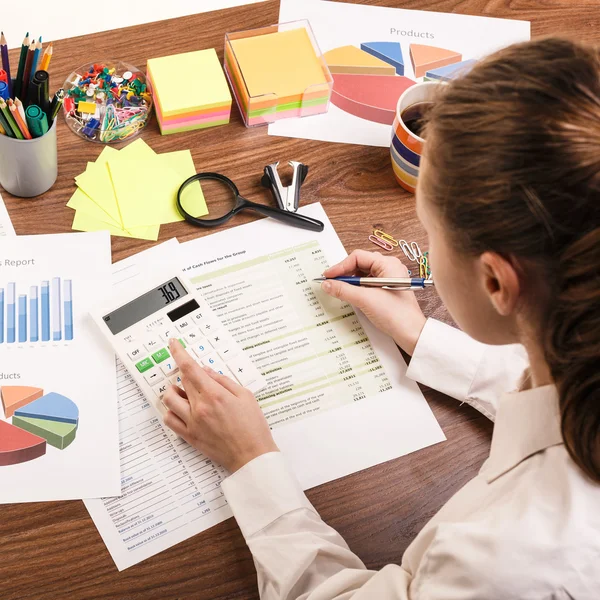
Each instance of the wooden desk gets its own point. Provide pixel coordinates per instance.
(52, 550)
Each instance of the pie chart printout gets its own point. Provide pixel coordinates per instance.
(368, 81)
(38, 420)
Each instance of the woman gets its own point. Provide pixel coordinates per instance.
(509, 193)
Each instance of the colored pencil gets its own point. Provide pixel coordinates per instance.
(5, 126)
(2, 130)
(10, 120)
(46, 58)
(20, 109)
(36, 57)
(6, 62)
(21, 70)
(27, 72)
(18, 120)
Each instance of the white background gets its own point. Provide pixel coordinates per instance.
(65, 20)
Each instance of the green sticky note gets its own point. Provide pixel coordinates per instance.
(161, 355)
(144, 365)
(207, 89)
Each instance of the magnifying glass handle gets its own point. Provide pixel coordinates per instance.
(290, 218)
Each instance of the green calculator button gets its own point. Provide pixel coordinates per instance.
(161, 355)
(144, 365)
(182, 343)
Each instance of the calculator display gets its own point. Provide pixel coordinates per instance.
(144, 306)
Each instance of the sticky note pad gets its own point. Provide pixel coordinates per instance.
(190, 91)
(276, 74)
(284, 63)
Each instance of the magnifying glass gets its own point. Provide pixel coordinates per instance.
(223, 201)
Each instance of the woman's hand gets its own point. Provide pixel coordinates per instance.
(216, 415)
(396, 313)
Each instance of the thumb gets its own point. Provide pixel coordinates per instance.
(344, 291)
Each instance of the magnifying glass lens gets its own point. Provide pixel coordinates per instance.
(208, 199)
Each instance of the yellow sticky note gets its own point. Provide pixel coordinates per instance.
(136, 150)
(80, 201)
(283, 63)
(83, 222)
(95, 182)
(146, 190)
(182, 163)
(205, 83)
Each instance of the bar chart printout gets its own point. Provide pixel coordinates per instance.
(36, 313)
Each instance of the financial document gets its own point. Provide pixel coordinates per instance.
(6, 226)
(337, 398)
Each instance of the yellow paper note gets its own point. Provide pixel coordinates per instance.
(206, 89)
(136, 150)
(80, 201)
(83, 222)
(182, 162)
(146, 190)
(96, 184)
(293, 64)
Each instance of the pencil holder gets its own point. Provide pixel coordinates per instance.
(28, 167)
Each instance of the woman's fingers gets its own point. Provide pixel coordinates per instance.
(359, 260)
(177, 404)
(173, 422)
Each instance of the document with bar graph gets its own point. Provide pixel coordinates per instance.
(43, 314)
(59, 434)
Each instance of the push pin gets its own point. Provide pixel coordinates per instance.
(287, 198)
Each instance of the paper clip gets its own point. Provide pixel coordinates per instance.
(381, 243)
(408, 252)
(385, 236)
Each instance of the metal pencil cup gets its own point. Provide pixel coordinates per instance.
(29, 167)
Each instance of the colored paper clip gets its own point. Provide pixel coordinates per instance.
(385, 236)
(381, 243)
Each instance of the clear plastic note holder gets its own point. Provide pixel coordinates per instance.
(268, 108)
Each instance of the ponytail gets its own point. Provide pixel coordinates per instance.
(513, 153)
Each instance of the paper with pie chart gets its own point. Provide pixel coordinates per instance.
(59, 428)
(375, 54)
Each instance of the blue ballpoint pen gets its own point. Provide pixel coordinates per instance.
(386, 283)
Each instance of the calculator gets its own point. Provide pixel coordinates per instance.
(139, 326)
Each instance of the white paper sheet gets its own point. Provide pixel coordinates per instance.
(337, 24)
(170, 490)
(333, 411)
(48, 279)
(6, 226)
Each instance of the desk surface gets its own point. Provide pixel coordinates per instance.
(52, 550)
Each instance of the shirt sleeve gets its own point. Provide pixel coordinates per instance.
(299, 557)
(448, 360)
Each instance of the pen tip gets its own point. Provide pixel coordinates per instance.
(320, 279)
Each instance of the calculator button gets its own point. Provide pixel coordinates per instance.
(169, 367)
(243, 370)
(153, 376)
(182, 343)
(184, 324)
(209, 326)
(223, 370)
(152, 344)
(211, 359)
(175, 380)
(202, 348)
(199, 316)
(192, 336)
(167, 334)
(161, 355)
(135, 353)
(144, 365)
(160, 389)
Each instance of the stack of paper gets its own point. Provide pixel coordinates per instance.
(132, 192)
(277, 75)
(190, 91)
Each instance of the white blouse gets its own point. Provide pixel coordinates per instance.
(526, 527)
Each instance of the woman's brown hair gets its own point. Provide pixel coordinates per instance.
(513, 155)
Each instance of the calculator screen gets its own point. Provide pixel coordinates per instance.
(144, 306)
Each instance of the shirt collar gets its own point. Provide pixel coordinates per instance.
(526, 423)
